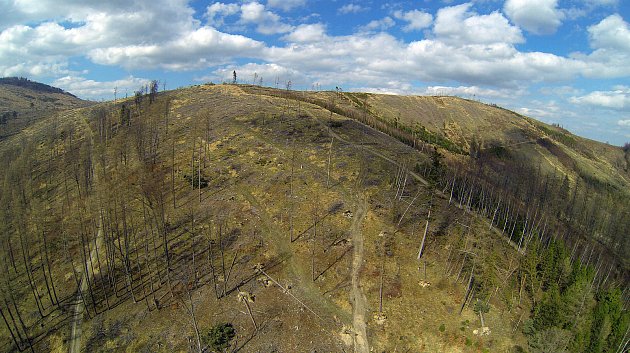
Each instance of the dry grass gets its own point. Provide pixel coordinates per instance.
(255, 140)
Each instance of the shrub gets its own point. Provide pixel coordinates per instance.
(335, 123)
(194, 181)
(218, 338)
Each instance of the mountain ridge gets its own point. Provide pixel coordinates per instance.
(23, 102)
(274, 210)
(32, 85)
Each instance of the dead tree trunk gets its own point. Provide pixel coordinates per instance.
(329, 159)
(43, 265)
(469, 287)
(173, 175)
(424, 237)
(29, 273)
(246, 297)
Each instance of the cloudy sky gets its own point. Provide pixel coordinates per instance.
(560, 61)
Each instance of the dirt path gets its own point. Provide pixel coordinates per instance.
(74, 344)
(359, 302)
(75, 337)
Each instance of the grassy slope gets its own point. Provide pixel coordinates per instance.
(461, 120)
(255, 140)
(456, 124)
(31, 105)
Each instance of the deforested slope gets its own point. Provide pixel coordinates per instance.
(280, 221)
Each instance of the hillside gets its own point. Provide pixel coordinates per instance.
(32, 85)
(23, 101)
(309, 221)
(586, 183)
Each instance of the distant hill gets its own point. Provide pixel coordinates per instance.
(23, 102)
(32, 85)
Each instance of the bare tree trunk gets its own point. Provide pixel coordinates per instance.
(221, 248)
(380, 288)
(86, 275)
(292, 199)
(173, 175)
(470, 281)
(214, 276)
(424, 237)
(520, 291)
(452, 187)
(251, 315)
(193, 318)
(43, 266)
(329, 159)
(404, 184)
(100, 270)
(29, 273)
(229, 273)
(407, 209)
(245, 297)
(15, 339)
(199, 173)
(495, 214)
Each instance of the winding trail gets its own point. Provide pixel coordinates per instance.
(359, 301)
(75, 337)
(74, 344)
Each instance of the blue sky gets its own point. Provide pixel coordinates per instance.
(560, 61)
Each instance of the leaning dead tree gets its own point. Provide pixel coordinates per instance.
(247, 298)
(259, 268)
(424, 236)
(185, 297)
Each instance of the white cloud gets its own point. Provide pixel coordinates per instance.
(90, 89)
(618, 99)
(416, 19)
(463, 52)
(217, 12)
(470, 91)
(560, 91)
(255, 13)
(286, 5)
(201, 48)
(351, 8)
(536, 16)
(268, 72)
(624, 123)
(458, 25)
(266, 21)
(33, 11)
(307, 33)
(392, 87)
(611, 33)
(51, 68)
(537, 113)
(43, 50)
(378, 25)
(610, 39)
(362, 58)
(371, 60)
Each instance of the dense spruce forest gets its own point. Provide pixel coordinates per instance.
(230, 217)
